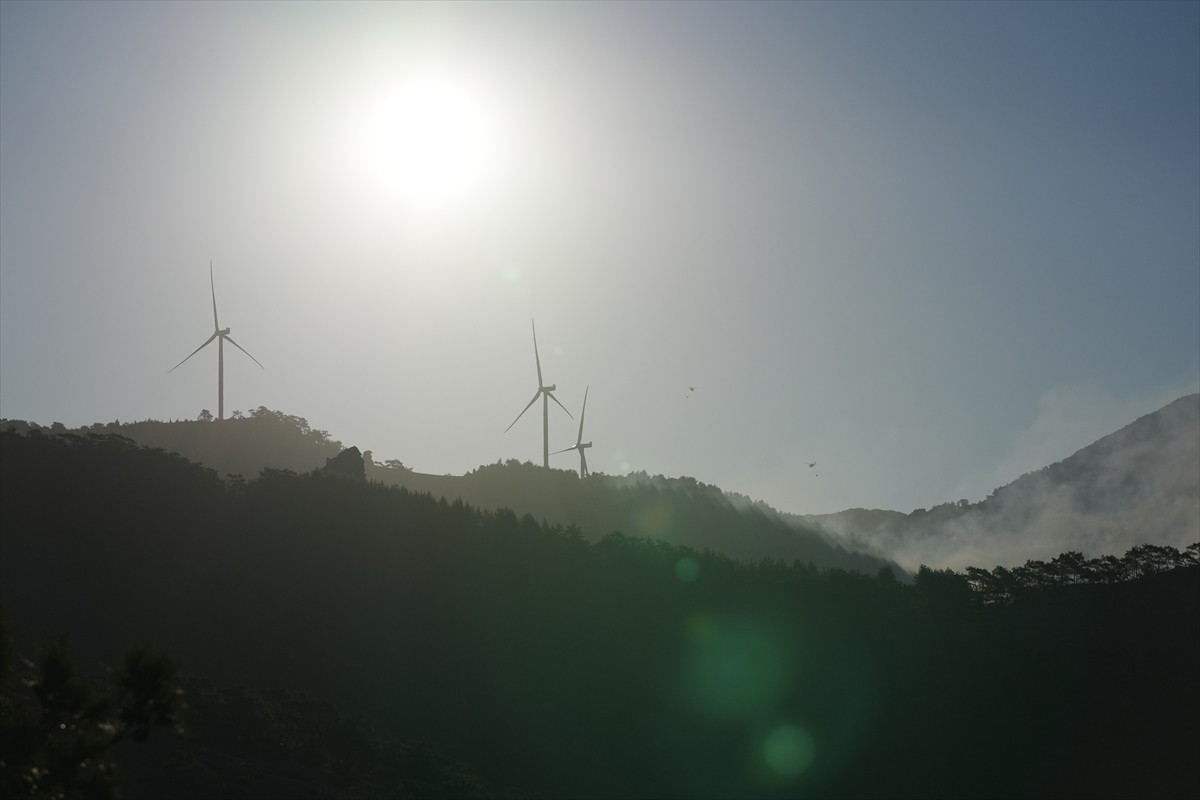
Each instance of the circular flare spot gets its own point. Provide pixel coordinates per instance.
(687, 569)
(789, 749)
(734, 669)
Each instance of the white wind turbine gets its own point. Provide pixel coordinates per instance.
(580, 444)
(220, 334)
(547, 394)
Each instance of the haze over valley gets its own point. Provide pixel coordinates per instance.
(1138, 484)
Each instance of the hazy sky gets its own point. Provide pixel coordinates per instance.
(928, 246)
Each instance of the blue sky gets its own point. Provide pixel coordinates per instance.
(928, 246)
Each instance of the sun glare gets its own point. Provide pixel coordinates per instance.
(429, 141)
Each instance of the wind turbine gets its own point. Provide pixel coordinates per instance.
(580, 444)
(547, 394)
(220, 334)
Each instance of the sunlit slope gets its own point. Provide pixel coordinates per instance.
(1140, 484)
(681, 511)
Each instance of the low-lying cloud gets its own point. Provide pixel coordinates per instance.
(1138, 485)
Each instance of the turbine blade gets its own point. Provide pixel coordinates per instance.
(565, 449)
(213, 287)
(197, 350)
(581, 413)
(582, 461)
(560, 405)
(244, 350)
(536, 357)
(523, 410)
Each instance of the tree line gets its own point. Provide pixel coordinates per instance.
(1002, 585)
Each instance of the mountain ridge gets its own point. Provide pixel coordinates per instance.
(1138, 484)
(680, 511)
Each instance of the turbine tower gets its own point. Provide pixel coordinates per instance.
(220, 334)
(580, 444)
(547, 394)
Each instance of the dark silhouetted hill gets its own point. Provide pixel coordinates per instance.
(626, 667)
(277, 743)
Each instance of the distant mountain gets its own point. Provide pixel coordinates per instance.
(1140, 484)
(680, 511)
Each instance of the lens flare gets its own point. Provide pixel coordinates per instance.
(789, 750)
(734, 669)
(687, 569)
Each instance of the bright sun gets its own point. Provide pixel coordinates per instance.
(430, 142)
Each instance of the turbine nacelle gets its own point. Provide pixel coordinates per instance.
(223, 331)
(552, 387)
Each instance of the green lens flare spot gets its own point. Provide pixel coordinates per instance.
(734, 670)
(687, 569)
(789, 750)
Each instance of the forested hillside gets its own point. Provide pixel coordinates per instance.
(245, 444)
(680, 511)
(533, 661)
